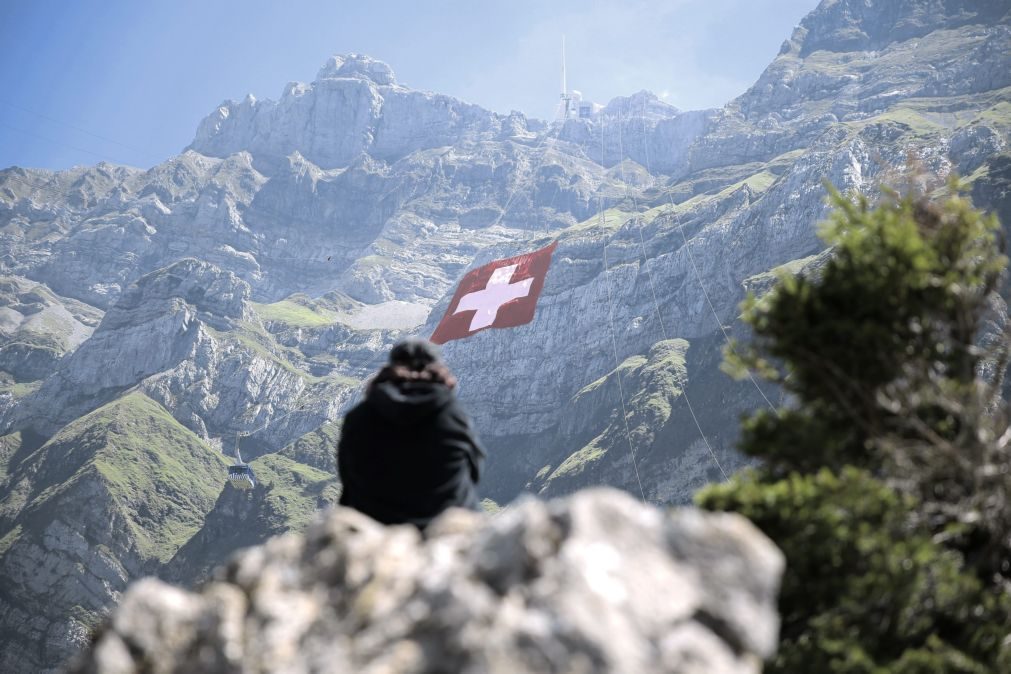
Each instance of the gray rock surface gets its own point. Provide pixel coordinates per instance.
(594, 583)
(39, 328)
(355, 106)
(178, 328)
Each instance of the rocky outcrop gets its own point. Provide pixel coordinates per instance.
(207, 289)
(855, 60)
(594, 583)
(182, 330)
(355, 106)
(38, 328)
(157, 324)
(850, 25)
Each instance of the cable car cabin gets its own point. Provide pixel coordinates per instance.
(241, 476)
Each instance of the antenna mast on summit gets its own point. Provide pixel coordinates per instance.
(565, 105)
(565, 89)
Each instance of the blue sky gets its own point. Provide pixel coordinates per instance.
(128, 81)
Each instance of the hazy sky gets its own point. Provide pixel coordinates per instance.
(129, 80)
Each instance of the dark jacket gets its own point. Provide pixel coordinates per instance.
(407, 453)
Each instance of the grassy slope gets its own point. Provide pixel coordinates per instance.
(118, 490)
(650, 386)
(294, 314)
(9, 444)
(286, 498)
(295, 491)
(162, 477)
(316, 448)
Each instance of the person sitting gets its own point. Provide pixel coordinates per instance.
(408, 451)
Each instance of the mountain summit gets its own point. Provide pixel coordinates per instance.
(356, 65)
(354, 107)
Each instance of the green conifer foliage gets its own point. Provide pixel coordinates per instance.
(885, 479)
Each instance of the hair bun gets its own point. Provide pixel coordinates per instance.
(414, 353)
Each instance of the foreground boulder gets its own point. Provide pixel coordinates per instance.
(593, 583)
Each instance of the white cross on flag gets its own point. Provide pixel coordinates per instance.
(501, 294)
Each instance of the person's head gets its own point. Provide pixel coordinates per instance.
(415, 360)
(414, 353)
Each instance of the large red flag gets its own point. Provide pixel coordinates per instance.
(501, 294)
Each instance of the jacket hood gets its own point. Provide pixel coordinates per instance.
(407, 403)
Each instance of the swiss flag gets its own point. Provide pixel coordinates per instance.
(501, 294)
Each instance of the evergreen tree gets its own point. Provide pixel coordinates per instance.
(885, 479)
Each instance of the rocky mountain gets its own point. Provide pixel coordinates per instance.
(239, 293)
(594, 583)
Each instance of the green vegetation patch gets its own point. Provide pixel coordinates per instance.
(956, 111)
(21, 389)
(757, 182)
(160, 476)
(581, 460)
(614, 218)
(785, 160)
(490, 506)
(666, 362)
(316, 448)
(667, 355)
(657, 382)
(627, 366)
(8, 540)
(662, 378)
(1000, 113)
(9, 444)
(295, 491)
(882, 481)
(760, 283)
(761, 181)
(294, 314)
(28, 341)
(917, 123)
(982, 172)
(160, 473)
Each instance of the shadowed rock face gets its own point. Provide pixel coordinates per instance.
(594, 583)
(845, 25)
